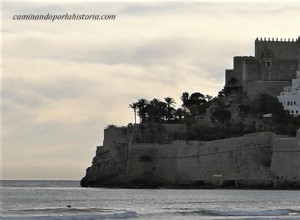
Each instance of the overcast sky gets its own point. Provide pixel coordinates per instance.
(63, 82)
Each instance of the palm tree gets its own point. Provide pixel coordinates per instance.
(134, 106)
(162, 112)
(142, 107)
(170, 107)
(154, 110)
(170, 102)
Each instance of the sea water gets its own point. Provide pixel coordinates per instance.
(49, 200)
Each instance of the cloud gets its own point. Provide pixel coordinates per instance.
(64, 81)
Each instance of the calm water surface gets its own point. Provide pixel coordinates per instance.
(67, 200)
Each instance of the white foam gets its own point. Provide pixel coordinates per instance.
(276, 212)
(123, 215)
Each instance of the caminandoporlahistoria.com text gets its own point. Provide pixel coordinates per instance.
(64, 17)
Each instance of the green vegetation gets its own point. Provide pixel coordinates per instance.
(205, 118)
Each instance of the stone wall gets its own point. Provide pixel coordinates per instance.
(115, 141)
(238, 68)
(243, 158)
(286, 159)
(253, 89)
(260, 159)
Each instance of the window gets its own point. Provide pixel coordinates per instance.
(281, 66)
(268, 63)
(292, 111)
(294, 103)
(296, 111)
(145, 158)
(291, 67)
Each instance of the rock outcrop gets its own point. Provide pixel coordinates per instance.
(105, 171)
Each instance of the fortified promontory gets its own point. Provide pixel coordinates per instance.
(244, 137)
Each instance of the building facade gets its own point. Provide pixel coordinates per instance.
(290, 97)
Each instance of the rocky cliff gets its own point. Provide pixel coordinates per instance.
(105, 170)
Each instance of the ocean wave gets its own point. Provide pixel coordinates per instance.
(275, 212)
(122, 215)
(228, 213)
(99, 214)
(59, 210)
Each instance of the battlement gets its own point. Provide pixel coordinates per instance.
(278, 39)
(280, 48)
(243, 57)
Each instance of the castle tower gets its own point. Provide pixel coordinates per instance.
(275, 64)
(282, 49)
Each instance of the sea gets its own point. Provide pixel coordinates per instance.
(50, 200)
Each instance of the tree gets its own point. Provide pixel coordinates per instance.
(268, 104)
(244, 110)
(196, 103)
(170, 107)
(153, 110)
(197, 96)
(162, 112)
(221, 94)
(208, 98)
(185, 98)
(221, 115)
(142, 107)
(181, 113)
(134, 106)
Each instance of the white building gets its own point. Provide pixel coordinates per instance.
(290, 97)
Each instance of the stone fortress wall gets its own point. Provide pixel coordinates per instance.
(238, 159)
(254, 159)
(260, 159)
(286, 159)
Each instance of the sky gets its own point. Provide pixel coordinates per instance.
(63, 82)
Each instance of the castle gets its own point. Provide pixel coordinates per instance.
(274, 66)
(253, 160)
